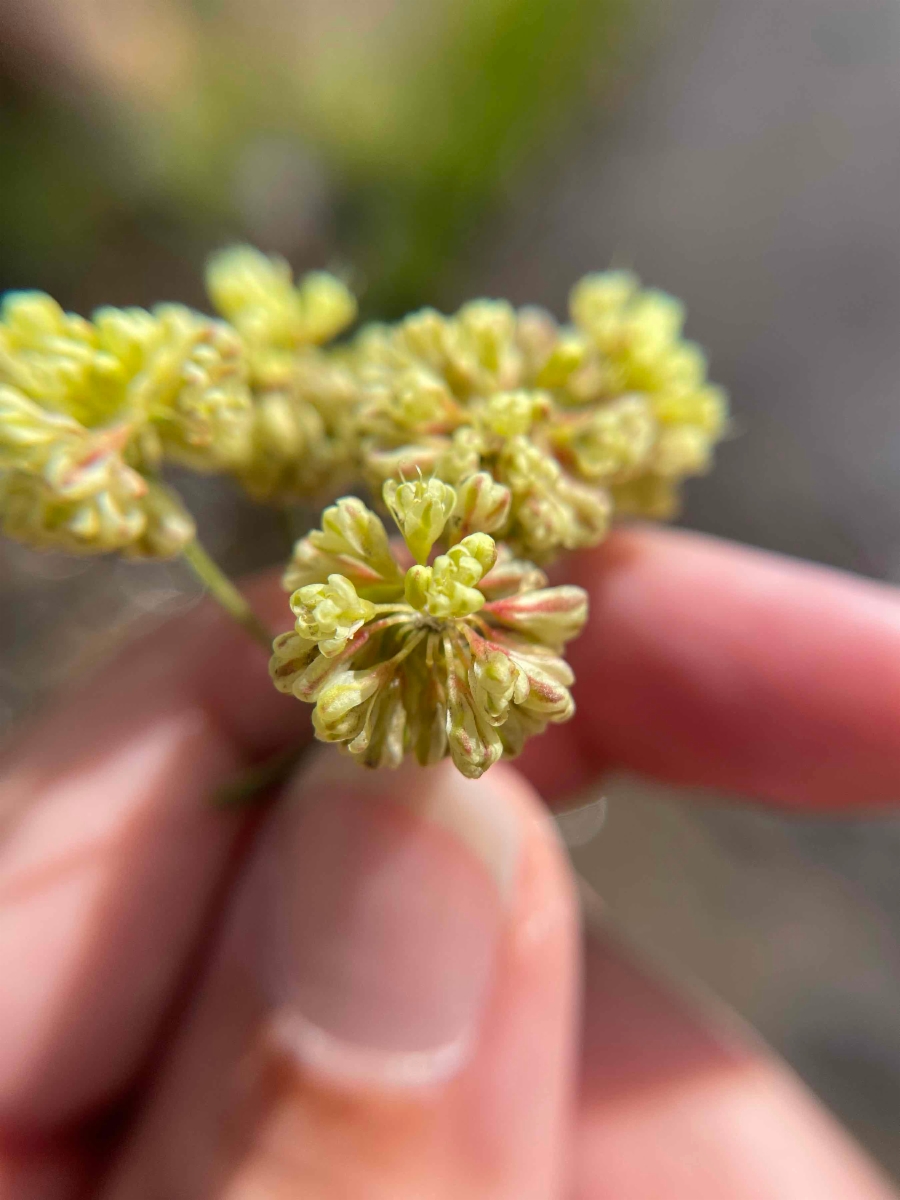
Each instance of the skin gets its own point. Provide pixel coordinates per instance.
(137, 1060)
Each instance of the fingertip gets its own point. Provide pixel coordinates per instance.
(709, 664)
(392, 1002)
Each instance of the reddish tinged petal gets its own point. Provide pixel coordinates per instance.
(510, 576)
(551, 615)
(322, 669)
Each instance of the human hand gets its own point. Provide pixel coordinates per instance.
(372, 991)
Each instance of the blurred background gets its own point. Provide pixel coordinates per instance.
(744, 156)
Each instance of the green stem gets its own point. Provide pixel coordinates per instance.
(247, 788)
(223, 590)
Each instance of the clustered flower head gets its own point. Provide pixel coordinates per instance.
(495, 438)
(570, 424)
(301, 443)
(89, 409)
(455, 654)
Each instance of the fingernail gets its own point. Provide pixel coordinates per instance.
(385, 896)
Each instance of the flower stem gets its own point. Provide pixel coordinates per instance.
(224, 591)
(247, 788)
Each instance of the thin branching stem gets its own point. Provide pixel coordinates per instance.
(258, 781)
(221, 588)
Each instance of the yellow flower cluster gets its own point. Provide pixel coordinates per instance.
(301, 439)
(668, 417)
(495, 438)
(567, 424)
(542, 431)
(89, 408)
(458, 656)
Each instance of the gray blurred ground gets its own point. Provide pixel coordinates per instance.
(755, 171)
(752, 168)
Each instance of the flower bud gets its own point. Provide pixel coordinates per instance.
(566, 356)
(597, 299)
(327, 306)
(421, 509)
(330, 613)
(613, 441)
(473, 742)
(509, 413)
(447, 588)
(551, 616)
(481, 505)
(168, 526)
(352, 542)
(256, 293)
(496, 682)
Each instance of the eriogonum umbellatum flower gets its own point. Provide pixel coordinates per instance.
(628, 343)
(87, 407)
(300, 443)
(458, 655)
(494, 438)
(542, 431)
(565, 421)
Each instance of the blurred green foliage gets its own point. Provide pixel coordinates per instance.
(54, 192)
(432, 139)
(409, 130)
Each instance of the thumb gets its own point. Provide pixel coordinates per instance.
(390, 1012)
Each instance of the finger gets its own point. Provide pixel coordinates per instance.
(689, 691)
(390, 1012)
(678, 1102)
(43, 1172)
(711, 664)
(111, 853)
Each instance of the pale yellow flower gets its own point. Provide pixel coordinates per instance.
(632, 343)
(447, 589)
(330, 613)
(174, 378)
(257, 294)
(301, 445)
(421, 510)
(458, 657)
(89, 409)
(352, 542)
(570, 420)
(301, 442)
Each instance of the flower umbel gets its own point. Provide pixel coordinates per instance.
(89, 409)
(495, 438)
(299, 444)
(569, 423)
(459, 657)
